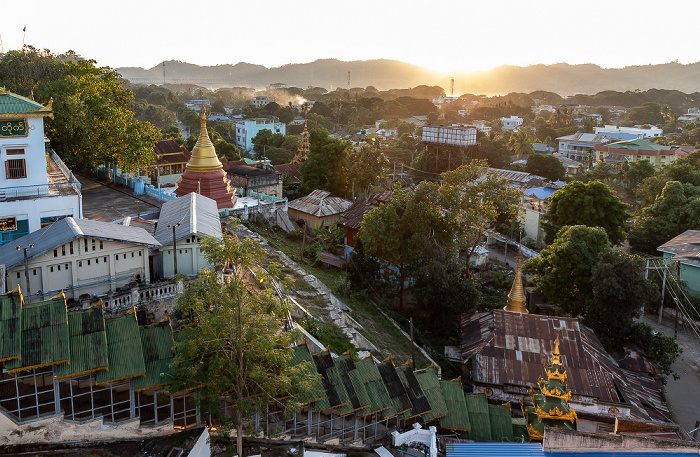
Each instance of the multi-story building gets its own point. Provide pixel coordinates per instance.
(635, 150)
(246, 129)
(36, 187)
(511, 123)
(612, 130)
(578, 145)
(262, 100)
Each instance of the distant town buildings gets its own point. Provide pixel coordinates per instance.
(36, 187)
(612, 131)
(636, 150)
(262, 100)
(579, 145)
(246, 129)
(511, 123)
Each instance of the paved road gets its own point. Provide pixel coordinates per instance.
(682, 394)
(104, 201)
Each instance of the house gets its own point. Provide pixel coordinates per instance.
(534, 206)
(182, 225)
(246, 129)
(578, 145)
(612, 131)
(78, 256)
(290, 172)
(171, 162)
(572, 167)
(258, 177)
(318, 208)
(196, 105)
(262, 100)
(351, 219)
(685, 249)
(692, 115)
(519, 179)
(543, 148)
(36, 187)
(511, 123)
(636, 150)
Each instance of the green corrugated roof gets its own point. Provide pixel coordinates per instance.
(359, 399)
(638, 145)
(419, 403)
(316, 394)
(16, 104)
(336, 378)
(501, 423)
(430, 384)
(88, 343)
(478, 409)
(520, 429)
(397, 392)
(376, 390)
(44, 335)
(458, 416)
(10, 326)
(158, 344)
(124, 349)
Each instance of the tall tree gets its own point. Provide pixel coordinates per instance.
(520, 144)
(325, 166)
(591, 204)
(546, 166)
(237, 349)
(367, 167)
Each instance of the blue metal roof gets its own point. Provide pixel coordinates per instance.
(540, 192)
(494, 449)
(617, 454)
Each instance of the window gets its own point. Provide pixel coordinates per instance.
(132, 255)
(93, 245)
(59, 268)
(80, 264)
(105, 259)
(13, 152)
(18, 275)
(51, 268)
(116, 257)
(125, 256)
(66, 267)
(140, 254)
(15, 169)
(63, 250)
(55, 252)
(86, 246)
(88, 263)
(71, 248)
(97, 260)
(34, 272)
(101, 245)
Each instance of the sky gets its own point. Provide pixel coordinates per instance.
(445, 36)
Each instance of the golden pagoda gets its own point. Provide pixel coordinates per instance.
(204, 173)
(516, 297)
(303, 151)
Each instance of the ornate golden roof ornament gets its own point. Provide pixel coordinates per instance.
(204, 157)
(516, 297)
(303, 151)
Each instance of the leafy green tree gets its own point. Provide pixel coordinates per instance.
(236, 348)
(520, 144)
(172, 132)
(676, 210)
(367, 167)
(546, 166)
(564, 271)
(638, 171)
(495, 151)
(591, 204)
(325, 166)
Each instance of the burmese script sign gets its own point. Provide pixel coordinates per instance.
(8, 224)
(13, 127)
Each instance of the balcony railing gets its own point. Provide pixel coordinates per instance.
(38, 191)
(72, 180)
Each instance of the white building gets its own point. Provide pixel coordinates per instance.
(578, 145)
(262, 100)
(193, 216)
(78, 256)
(611, 130)
(246, 129)
(511, 123)
(36, 187)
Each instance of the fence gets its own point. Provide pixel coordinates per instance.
(66, 171)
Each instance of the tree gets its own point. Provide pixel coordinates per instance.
(638, 171)
(591, 204)
(676, 210)
(564, 271)
(237, 349)
(367, 166)
(495, 151)
(520, 144)
(476, 200)
(325, 166)
(546, 166)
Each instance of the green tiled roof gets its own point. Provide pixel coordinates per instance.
(353, 384)
(316, 394)
(478, 409)
(16, 104)
(158, 344)
(419, 403)
(123, 349)
(10, 326)
(457, 417)
(379, 398)
(501, 423)
(44, 335)
(88, 343)
(430, 384)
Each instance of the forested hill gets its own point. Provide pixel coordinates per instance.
(385, 74)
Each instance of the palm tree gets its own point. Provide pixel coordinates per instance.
(520, 144)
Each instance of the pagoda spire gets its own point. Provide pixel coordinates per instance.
(303, 151)
(203, 154)
(516, 297)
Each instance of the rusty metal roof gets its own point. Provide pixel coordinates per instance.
(291, 170)
(352, 218)
(509, 349)
(319, 203)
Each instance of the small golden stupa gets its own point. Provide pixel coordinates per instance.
(516, 297)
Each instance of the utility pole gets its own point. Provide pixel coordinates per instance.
(26, 270)
(174, 247)
(678, 298)
(413, 347)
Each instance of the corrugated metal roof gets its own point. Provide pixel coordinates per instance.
(583, 453)
(10, 325)
(376, 390)
(88, 343)
(197, 215)
(419, 403)
(359, 400)
(291, 170)
(430, 384)
(316, 394)
(157, 346)
(397, 392)
(44, 335)
(319, 203)
(457, 417)
(335, 390)
(478, 409)
(68, 229)
(494, 449)
(687, 241)
(501, 423)
(124, 349)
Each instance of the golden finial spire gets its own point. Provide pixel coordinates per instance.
(516, 297)
(203, 154)
(556, 356)
(303, 150)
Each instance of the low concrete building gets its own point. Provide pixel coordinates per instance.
(182, 225)
(636, 150)
(258, 177)
(318, 208)
(612, 130)
(171, 162)
(78, 257)
(579, 145)
(511, 123)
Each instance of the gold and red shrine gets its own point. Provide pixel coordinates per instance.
(204, 173)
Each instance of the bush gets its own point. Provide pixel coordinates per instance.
(658, 347)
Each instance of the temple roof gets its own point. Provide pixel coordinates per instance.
(12, 104)
(203, 156)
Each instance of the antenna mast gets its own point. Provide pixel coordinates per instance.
(348, 80)
(452, 86)
(164, 72)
